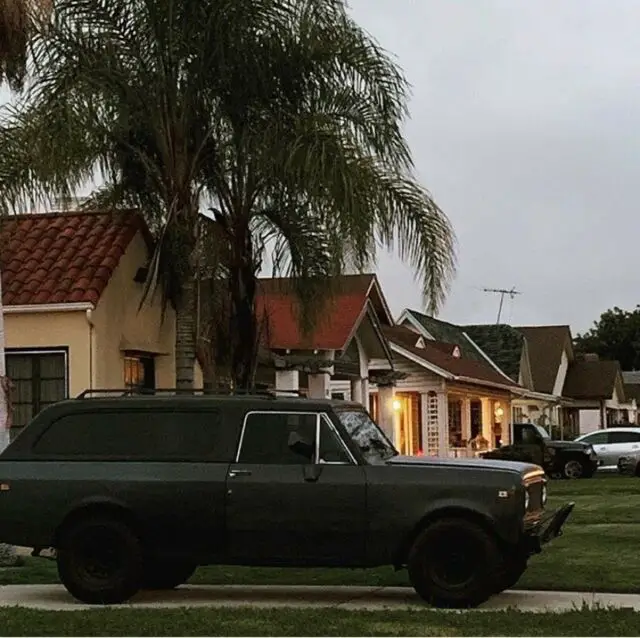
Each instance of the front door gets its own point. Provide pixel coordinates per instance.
(284, 507)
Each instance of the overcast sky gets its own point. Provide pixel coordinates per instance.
(524, 126)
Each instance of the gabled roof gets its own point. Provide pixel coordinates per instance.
(59, 258)
(443, 332)
(545, 346)
(278, 309)
(503, 344)
(593, 379)
(434, 355)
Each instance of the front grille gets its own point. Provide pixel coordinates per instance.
(535, 496)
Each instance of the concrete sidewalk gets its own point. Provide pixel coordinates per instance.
(55, 597)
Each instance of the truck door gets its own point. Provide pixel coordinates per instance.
(294, 495)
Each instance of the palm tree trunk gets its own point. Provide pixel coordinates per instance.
(243, 283)
(186, 335)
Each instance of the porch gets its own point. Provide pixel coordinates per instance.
(456, 421)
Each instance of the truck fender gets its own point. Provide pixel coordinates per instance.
(94, 505)
(446, 508)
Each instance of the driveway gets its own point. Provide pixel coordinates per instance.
(55, 597)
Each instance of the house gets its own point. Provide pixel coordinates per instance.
(426, 395)
(72, 284)
(336, 354)
(564, 392)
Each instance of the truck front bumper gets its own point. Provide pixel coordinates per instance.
(545, 529)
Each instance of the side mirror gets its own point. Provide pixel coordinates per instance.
(301, 446)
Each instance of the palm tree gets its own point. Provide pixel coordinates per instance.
(282, 118)
(18, 23)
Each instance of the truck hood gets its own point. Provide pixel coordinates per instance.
(577, 446)
(479, 464)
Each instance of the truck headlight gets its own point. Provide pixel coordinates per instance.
(527, 498)
(544, 495)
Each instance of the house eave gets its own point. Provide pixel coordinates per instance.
(46, 308)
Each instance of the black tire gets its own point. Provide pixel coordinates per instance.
(100, 560)
(452, 564)
(163, 575)
(510, 573)
(574, 468)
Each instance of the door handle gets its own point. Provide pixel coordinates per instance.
(234, 473)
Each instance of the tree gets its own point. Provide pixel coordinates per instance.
(18, 23)
(281, 117)
(615, 336)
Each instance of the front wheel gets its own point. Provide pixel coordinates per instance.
(167, 575)
(99, 560)
(510, 573)
(573, 469)
(452, 564)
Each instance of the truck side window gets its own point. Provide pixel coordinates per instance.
(140, 434)
(529, 436)
(332, 449)
(266, 436)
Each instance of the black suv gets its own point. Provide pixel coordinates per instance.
(560, 459)
(135, 492)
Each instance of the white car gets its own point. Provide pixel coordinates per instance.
(612, 443)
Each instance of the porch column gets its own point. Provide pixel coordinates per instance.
(466, 419)
(319, 386)
(356, 390)
(287, 380)
(365, 393)
(387, 415)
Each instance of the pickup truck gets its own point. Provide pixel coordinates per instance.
(560, 459)
(135, 492)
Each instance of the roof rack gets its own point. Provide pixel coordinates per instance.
(265, 393)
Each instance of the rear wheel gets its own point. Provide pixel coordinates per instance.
(452, 563)
(573, 469)
(99, 560)
(166, 575)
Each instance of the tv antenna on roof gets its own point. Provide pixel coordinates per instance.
(502, 292)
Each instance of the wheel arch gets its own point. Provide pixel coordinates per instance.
(95, 507)
(482, 519)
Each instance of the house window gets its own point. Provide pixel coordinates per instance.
(518, 415)
(39, 379)
(139, 372)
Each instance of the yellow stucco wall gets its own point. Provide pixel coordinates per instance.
(96, 352)
(54, 330)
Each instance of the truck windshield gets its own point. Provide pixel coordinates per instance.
(542, 432)
(374, 445)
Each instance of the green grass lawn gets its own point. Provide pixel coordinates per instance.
(310, 622)
(599, 551)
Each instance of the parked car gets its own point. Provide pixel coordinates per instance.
(612, 443)
(560, 459)
(629, 465)
(135, 492)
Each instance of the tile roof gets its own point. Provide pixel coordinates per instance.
(545, 345)
(501, 343)
(480, 371)
(62, 257)
(591, 380)
(278, 311)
